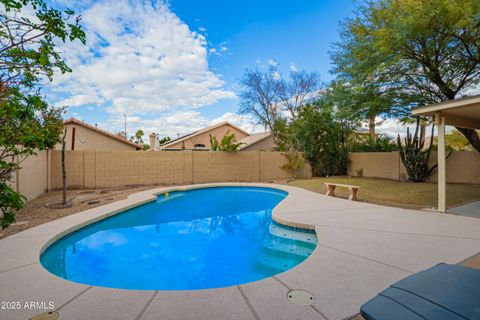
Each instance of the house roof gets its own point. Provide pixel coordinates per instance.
(201, 131)
(101, 131)
(254, 138)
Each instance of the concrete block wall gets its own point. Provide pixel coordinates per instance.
(462, 166)
(375, 164)
(74, 166)
(105, 169)
(32, 180)
(224, 166)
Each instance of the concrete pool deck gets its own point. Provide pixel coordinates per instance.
(362, 248)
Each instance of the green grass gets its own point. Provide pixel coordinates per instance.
(395, 193)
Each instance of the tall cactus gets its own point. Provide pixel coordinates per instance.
(414, 157)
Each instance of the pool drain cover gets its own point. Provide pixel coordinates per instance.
(300, 297)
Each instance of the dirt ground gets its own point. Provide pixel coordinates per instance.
(36, 211)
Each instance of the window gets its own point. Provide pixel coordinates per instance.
(199, 145)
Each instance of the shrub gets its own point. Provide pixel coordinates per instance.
(380, 144)
(228, 143)
(360, 172)
(295, 161)
(414, 156)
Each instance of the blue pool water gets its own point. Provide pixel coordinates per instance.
(197, 239)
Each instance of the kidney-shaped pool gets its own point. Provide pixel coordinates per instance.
(185, 240)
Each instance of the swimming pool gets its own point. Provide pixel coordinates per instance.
(185, 240)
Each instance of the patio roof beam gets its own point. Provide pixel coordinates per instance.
(463, 122)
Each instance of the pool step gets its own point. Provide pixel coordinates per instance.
(287, 246)
(278, 231)
(278, 262)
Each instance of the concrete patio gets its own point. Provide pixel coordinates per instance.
(471, 209)
(362, 248)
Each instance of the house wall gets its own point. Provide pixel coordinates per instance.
(264, 145)
(87, 139)
(103, 169)
(204, 138)
(462, 166)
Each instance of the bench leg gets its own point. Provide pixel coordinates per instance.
(353, 194)
(330, 191)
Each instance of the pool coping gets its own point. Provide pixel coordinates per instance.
(334, 220)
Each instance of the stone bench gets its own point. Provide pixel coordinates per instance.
(331, 190)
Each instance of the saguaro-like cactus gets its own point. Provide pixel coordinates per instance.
(414, 155)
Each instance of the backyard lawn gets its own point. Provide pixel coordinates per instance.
(395, 193)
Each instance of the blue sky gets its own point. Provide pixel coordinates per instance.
(174, 67)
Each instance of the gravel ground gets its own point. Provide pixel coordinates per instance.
(36, 211)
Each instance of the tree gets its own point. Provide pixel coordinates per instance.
(269, 97)
(359, 103)
(228, 143)
(454, 141)
(27, 46)
(27, 124)
(423, 51)
(322, 137)
(138, 137)
(259, 96)
(164, 140)
(27, 55)
(64, 171)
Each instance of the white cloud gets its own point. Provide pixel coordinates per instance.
(273, 62)
(139, 59)
(393, 127)
(81, 99)
(142, 60)
(177, 124)
(293, 67)
(181, 123)
(390, 127)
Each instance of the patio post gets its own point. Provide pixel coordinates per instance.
(442, 183)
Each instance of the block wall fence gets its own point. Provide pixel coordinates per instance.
(108, 169)
(33, 179)
(462, 166)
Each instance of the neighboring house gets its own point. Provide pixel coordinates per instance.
(260, 141)
(200, 139)
(82, 136)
